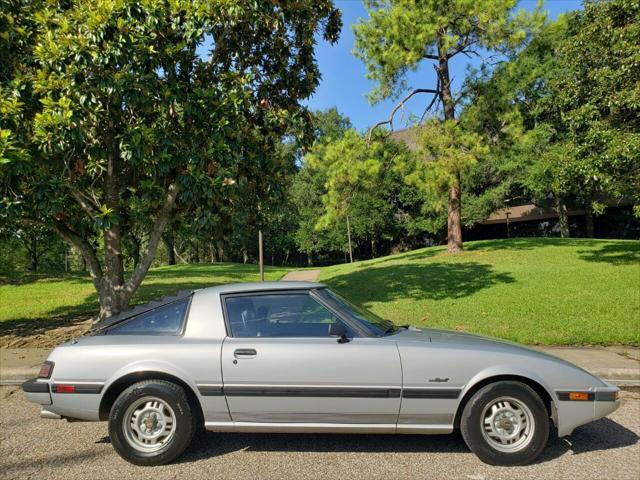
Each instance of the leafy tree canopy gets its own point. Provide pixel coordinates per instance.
(130, 113)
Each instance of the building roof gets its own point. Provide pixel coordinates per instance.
(409, 136)
(523, 213)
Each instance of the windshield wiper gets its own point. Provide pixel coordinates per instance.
(390, 329)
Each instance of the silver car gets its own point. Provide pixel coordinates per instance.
(296, 357)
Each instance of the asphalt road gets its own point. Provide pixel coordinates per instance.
(34, 448)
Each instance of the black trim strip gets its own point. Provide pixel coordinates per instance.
(434, 393)
(34, 386)
(606, 396)
(328, 392)
(90, 388)
(210, 391)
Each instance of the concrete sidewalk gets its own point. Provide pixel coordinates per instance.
(619, 365)
(301, 276)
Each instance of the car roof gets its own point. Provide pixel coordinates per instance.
(261, 286)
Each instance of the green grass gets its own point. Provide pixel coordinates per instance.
(547, 291)
(38, 298)
(534, 291)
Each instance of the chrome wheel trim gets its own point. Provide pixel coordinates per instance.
(507, 424)
(149, 424)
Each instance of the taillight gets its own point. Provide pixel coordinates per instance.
(46, 370)
(65, 389)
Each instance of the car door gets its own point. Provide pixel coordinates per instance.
(280, 365)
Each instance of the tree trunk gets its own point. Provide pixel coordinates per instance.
(33, 254)
(588, 220)
(167, 239)
(135, 251)
(454, 224)
(563, 217)
(261, 255)
(454, 218)
(113, 292)
(349, 240)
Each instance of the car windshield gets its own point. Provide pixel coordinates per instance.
(369, 321)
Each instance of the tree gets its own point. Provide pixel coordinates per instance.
(129, 112)
(601, 111)
(357, 192)
(551, 142)
(350, 168)
(508, 106)
(400, 34)
(447, 153)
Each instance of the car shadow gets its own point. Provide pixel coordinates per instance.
(604, 434)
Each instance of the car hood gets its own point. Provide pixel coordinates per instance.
(470, 341)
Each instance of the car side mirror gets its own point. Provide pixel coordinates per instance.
(337, 329)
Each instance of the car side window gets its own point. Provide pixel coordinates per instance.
(279, 315)
(165, 320)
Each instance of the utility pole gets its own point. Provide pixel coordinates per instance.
(349, 238)
(260, 255)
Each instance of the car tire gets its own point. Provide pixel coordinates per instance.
(505, 423)
(151, 423)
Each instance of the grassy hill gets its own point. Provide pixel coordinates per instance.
(548, 291)
(34, 305)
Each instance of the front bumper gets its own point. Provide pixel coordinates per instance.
(600, 402)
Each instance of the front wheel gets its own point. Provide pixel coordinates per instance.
(151, 423)
(505, 423)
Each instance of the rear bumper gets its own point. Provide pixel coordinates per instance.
(37, 391)
(82, 404)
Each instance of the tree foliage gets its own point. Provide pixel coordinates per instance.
(402, 34)
(148, 108)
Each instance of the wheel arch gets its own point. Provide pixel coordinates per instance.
(122, 383)
(541, 390)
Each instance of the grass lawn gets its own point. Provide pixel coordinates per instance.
(534, 291)
(56, 300)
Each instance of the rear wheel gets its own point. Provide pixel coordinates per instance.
(151, 423)
(505, 423)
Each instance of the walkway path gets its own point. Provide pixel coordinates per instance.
(301, 276)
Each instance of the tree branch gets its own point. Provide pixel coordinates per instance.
(389, 121)
(84, 201)
(85, 248)
(154, 238)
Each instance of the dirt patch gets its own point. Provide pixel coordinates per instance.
(33, 336)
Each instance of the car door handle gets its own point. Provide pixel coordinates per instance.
(244, 353)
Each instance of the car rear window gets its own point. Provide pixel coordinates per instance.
(165, 320)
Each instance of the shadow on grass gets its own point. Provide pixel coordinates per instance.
(431, 281)
(23, 278)
(618, 253)
(70, 315)
(530, 243)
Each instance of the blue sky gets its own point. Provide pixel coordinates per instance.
(344, 85)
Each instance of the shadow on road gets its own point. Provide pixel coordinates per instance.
(604, 434)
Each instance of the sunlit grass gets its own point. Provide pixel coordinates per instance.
(548, 291)
(70, 296)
